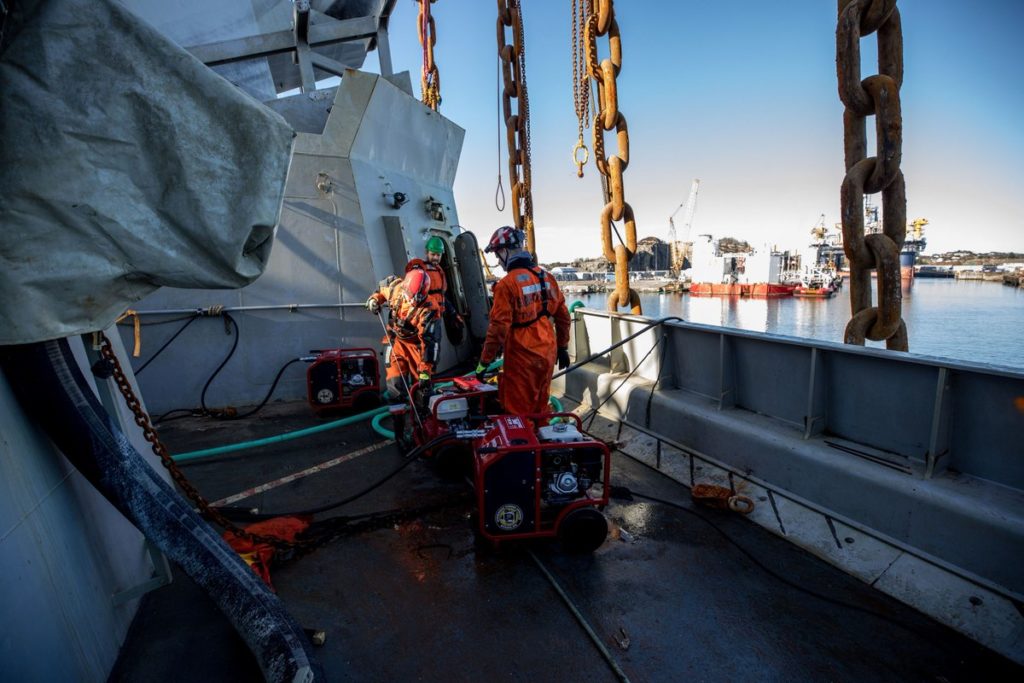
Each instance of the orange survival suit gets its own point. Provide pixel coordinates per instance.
(438, 287)
(414, 335)
(438, 296)
(526, 302)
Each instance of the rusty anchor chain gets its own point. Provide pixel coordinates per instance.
(878, 95)
(430, 78)
(327, 531)
(150, 434)
(601, 22)
(517, 122)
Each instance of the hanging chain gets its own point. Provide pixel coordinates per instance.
(580, 81)
(602, 22)
(517, 125)
(430, 79)
(878, 95)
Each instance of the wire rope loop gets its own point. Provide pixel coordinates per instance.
(741, 504)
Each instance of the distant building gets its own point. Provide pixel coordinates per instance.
(592, 265)
(651, 254)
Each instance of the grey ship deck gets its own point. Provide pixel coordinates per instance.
(672, 599)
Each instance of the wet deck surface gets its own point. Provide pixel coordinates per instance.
(671, 599)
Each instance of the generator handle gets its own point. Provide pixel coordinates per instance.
(541, 416)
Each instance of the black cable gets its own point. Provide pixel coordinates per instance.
(167, 343)
(595, 356)
(409, 458)
(190, 412)
(234, 345)
(269, 393)
(166, 417)
(624, 380)
(624, 492)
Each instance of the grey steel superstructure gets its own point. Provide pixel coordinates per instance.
(370, 182)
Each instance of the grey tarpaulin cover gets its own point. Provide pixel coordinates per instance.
(125, 165)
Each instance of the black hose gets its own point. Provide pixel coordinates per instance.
(269, 393)
(204, 410)
(166, 344)
(56, 396)
(234, 345)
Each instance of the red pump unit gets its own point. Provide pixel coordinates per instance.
(342, 378)
(532, 479)
(535, 481)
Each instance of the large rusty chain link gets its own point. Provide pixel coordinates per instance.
(878, 95)
(150, 434)
(602, 22)
(430, 78)
(517, 123)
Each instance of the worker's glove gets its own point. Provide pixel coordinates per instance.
(563, 359)
(480, 370)
(372, 305)
(424, 388)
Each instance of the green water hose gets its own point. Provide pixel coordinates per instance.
(379, 428)
(287, 436)
(576, 304)
(375, 416)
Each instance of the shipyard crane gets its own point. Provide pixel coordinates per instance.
(676, 250)
(917, 227)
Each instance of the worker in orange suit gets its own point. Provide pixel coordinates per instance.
(413, 331)
(529, 321)
(438, 290)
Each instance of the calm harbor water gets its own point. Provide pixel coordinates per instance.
(981, 322)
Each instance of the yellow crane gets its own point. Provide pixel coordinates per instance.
(917, 225)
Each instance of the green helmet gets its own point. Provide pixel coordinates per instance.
(435, 245)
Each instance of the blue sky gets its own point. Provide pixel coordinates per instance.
(742, 95)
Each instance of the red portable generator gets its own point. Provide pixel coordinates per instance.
(342, 378)
(536, 482)
(456, 404)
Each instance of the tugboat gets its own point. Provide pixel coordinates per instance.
(818, 284)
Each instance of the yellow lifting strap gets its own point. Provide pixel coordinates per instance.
(134, 315)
